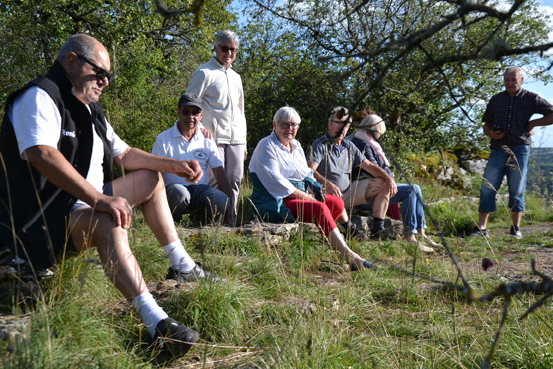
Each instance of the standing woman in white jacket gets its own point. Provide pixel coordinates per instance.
(223, 100)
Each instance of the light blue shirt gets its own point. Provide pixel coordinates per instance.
(275, 166)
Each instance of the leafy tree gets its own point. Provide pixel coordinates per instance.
(152, 56)
(435, 62)
(277, 71)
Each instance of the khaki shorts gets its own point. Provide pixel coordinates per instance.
(355, 194)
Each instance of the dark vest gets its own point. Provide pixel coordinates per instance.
(33, 211)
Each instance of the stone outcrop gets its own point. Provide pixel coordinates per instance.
(475, 166)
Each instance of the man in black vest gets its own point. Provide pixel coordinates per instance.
(57, 191)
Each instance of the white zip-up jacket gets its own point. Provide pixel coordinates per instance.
(223, 101)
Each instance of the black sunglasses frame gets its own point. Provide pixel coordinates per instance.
(101, 73)
(226, 49)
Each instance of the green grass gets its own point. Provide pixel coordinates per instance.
(375, 318)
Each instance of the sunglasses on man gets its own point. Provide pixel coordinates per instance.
(226, 49)
(101, 73)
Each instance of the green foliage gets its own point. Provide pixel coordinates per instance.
(277, 70)
(428, 100)
(152, 57)
(287, 305)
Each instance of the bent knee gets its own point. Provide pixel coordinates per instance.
(377, 185)
(97, 231)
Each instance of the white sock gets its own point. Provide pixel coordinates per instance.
(179, 258)
(149, 310)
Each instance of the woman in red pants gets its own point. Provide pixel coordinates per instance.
(285, 190)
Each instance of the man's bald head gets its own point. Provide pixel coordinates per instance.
(86, 63)
(79, 44)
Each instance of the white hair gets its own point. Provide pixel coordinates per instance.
(515, 70)
(79, 44)
(373, 123)
(227, 37)
(287, 114)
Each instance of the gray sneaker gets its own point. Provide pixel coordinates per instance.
(515, 232)
(477, 232)
(193, 275)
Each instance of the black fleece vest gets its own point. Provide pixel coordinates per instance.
(33, 211)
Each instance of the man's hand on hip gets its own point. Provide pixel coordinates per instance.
(118, 207)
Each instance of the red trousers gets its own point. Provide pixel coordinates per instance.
(323, 214)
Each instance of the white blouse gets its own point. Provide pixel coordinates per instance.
(275, 165)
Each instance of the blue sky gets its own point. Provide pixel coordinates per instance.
(544, 136)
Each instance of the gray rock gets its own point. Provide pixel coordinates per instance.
(445, 173)
(13, 327)
(268, 233)
(463, 181)
(475, 166)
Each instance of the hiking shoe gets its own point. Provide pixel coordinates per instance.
(366, 264)
(193, 275)
(352, 232)
(358, 235)
(381, 234)
(515, 232)
(477, 232)
(175, 337)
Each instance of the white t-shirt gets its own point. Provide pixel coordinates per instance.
(172, 144)
(37, 121)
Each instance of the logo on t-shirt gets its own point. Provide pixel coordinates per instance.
(68, 133)
(200, 154)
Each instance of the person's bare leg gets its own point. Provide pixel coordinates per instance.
(409, 237)
(517, 218)
(343, 217)
(483, 220)
(428, 239)
(379, 191)
(94, 229)
(146, 188)
(338, 243)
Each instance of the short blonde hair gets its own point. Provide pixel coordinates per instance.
(373, 123)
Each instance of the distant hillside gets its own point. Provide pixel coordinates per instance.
(540, 173)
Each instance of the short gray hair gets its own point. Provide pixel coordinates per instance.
(287, 114)
(79, 44)
(340, 111)
(373, 123)
(227, 37)
(516, 70)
